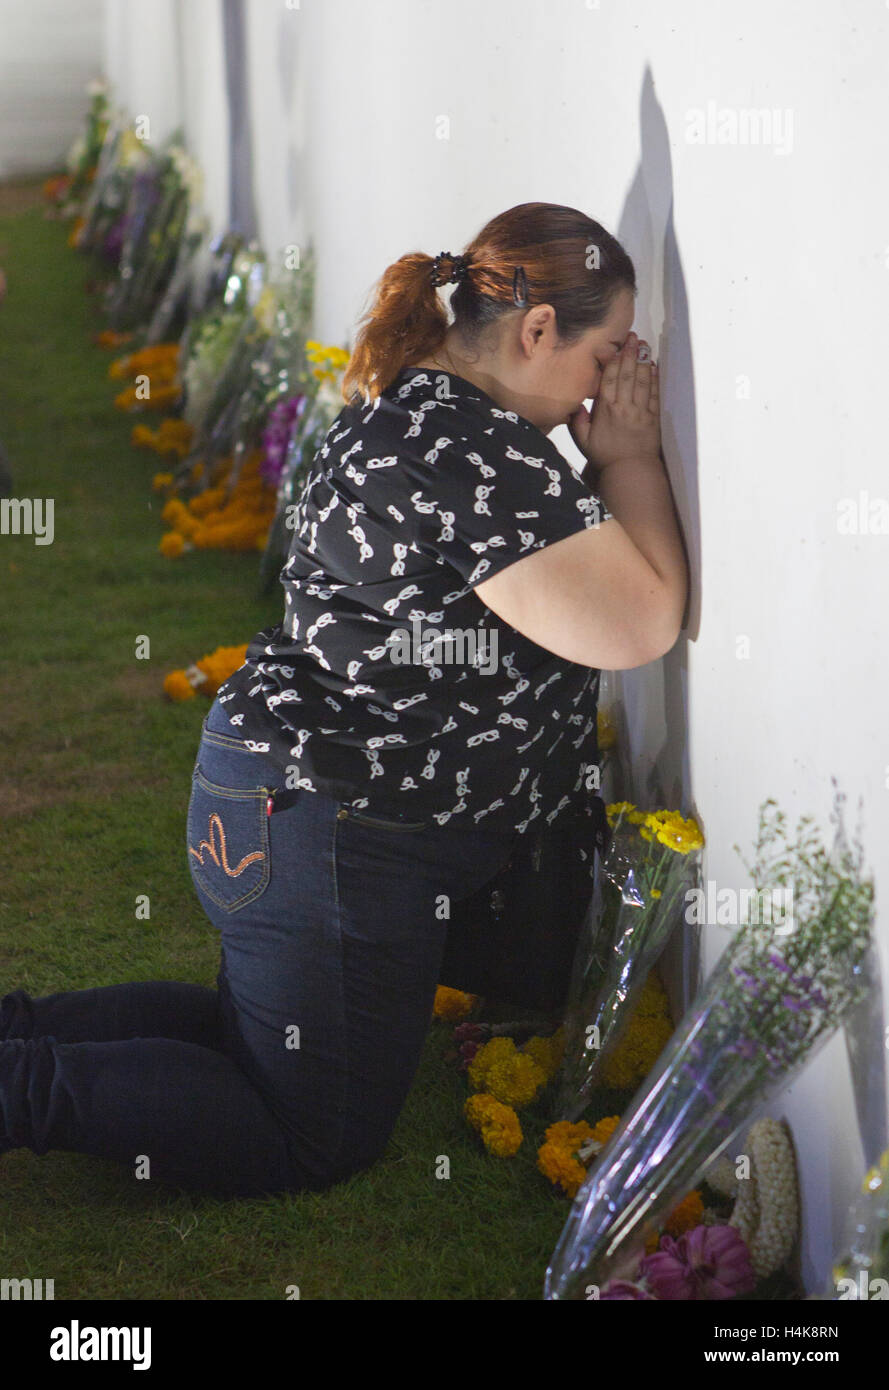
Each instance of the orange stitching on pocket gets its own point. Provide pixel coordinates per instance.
(215, 821)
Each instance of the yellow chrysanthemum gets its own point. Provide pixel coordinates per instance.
(497, 1124)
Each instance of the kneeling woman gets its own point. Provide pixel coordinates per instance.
(347, 803)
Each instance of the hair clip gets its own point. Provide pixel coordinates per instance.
(520, 287)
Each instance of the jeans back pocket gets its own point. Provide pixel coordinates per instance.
(228, 841)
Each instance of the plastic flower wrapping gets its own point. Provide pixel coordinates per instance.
(161, 213)
(650, 862)
(777, 994)
(122, 155)
(861, 1271)
(319, 403)
(246, 357)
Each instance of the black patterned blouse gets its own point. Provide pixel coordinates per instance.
(388, 684)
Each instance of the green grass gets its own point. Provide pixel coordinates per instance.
(95, 769)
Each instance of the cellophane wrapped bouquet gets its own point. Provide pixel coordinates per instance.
(651, 861)
(776, 996)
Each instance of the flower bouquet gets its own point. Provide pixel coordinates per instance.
(649, 865)
(104, 212)
(776, 995)
(162, 211)
(69, 191)
(319, 404)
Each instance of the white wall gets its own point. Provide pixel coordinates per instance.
(759, 261)
(48, 54)
(144, 64)
(382, 126)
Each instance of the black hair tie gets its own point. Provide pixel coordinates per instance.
(459, 268)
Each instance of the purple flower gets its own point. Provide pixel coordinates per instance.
(623, 1289)
(748, 980)
(113, 243)
(708, 1263)
(745, 1047)
(667, 1273)
(791, 1003)
(277, 435)
(780, 964)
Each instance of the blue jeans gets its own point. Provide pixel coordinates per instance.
(289, 1075)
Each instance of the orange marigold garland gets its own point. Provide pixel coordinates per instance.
(159, 366)
(220, 520)
(498, 1124)
(557, 1157)
(172, 436)
(205, 675)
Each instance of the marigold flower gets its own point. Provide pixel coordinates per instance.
(636, 1052)
(557, 1156)
(453, 1003)
(205, 675)
(172, 544)
(178, 687)
(603, 1129)
(547, 1053)
(210, 500)
(497, 1124)
(493, 1050)
(684, 1217)
(515, 1080)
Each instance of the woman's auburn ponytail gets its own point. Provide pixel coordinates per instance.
(405, 321)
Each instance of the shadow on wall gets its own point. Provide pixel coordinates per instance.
(655, 697)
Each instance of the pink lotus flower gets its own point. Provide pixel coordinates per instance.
(709, 1262)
